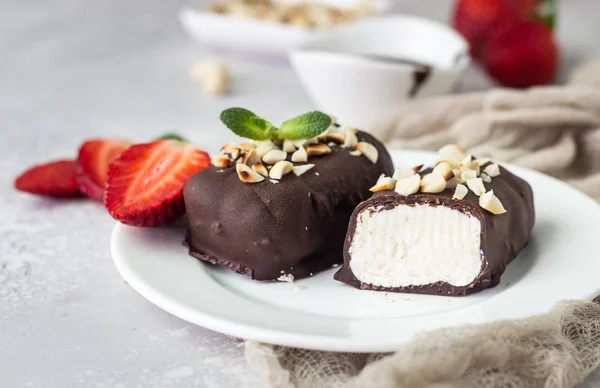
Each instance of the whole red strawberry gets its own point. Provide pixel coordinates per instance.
(53, 179)
(474, 19)
(92, 164)
(144, 186)
(520, 53)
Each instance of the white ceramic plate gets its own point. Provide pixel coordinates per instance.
(561, 261)
(250, 35)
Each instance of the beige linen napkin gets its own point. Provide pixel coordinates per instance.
(553, 129)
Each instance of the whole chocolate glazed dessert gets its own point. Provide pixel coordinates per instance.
(450, 230)
(281, 212)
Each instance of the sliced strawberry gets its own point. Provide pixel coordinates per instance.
(92, 164)
(520, 53)
(144, 185)
(54, 179)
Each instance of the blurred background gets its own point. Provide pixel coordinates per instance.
(128, 67)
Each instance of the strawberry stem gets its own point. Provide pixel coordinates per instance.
(172, 136)
(546, 13)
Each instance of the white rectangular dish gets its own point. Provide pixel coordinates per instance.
(245, 34)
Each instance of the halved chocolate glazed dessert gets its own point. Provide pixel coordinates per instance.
(450, 230)
(280, 209)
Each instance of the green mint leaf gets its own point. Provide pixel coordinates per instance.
(171, 136)
(305, 126)
(246, 124)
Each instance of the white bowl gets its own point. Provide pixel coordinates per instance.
(255, 36)
(353, 73)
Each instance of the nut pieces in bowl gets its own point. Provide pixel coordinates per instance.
(301, 14)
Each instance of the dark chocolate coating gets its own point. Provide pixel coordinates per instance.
(296, 226)
(502, 235)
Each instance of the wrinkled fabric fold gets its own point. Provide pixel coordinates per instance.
(552, 129)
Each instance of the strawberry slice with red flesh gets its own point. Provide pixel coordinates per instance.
(95, 156)
(144, 185)
(53, 179)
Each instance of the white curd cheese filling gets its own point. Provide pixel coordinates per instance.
(416, 245)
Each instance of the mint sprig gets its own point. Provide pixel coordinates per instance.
(305, 126)
(245, 123)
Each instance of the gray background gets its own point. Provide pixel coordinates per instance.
(70, 70)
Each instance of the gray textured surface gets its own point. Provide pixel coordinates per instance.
(70, 70)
